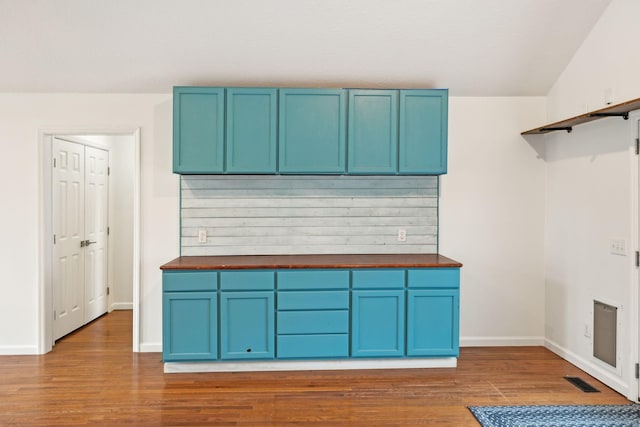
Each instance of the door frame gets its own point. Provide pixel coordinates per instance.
(634, 290)
(45, 288)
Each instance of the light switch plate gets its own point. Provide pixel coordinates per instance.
(618, 246)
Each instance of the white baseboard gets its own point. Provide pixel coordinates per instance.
(609, 378)
(18, 350)
(501, 341)
(122, 306)
(308, 365)
(151, 347)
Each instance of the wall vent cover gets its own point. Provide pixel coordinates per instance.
(605, 342)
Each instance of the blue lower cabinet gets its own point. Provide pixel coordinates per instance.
(305, 314)
(377, 323)
(247, 325)
(433, 322)
(189, 326)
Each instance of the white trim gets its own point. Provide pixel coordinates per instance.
(309, 365)
(136, 240)
(590, 367)
(12, 350)
(77, 140)
(45, 296)
(501, 341)
(634, 294)
(122, 306)
(150, 347)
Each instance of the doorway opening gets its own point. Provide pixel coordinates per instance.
(122, 229)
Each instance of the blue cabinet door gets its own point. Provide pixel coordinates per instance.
(198, 130)
(423, 131)
(312, 133)
(433, 322)
(251, 141)
(377, 323)
(373, 132)
(189, 326)
(247, 325)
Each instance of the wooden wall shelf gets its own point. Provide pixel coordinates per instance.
(617, 110)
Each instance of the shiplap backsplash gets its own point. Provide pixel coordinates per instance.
(272, 215)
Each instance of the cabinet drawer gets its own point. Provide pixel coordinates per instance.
(299, 346)
(190, 280)
(313, 322)
(313, 279)
(434, 278)
(378, 279)
(313, 300)
(247, 280)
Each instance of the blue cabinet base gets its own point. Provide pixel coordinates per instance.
(307, 365)
(339, 318)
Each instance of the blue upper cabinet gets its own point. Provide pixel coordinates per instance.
(373, 132)
(309, 131)
(312, 134)
(423, 131)
(251, 130)
(198, 130)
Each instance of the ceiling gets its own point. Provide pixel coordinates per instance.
(472, 47)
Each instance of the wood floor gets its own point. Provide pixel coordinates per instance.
(92, 378)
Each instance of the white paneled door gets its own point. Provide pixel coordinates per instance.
(80, 206)
(95, 225)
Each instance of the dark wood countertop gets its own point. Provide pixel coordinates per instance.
(272, 262)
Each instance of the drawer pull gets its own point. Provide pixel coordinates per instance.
(248, 350)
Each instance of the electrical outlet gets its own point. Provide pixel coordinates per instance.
(608, 96)
(202, 236)
(618, 246)
(402, 235)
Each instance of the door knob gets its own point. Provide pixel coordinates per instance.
(84, 243)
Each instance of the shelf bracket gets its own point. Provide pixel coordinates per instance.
(624, 115)
(551, 129)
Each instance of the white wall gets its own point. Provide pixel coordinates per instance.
(491, 209)
(24, 116)
(492, 219)
(121, 220)
(590, 178)
(607, 59)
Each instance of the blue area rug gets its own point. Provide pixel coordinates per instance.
(558, 416)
